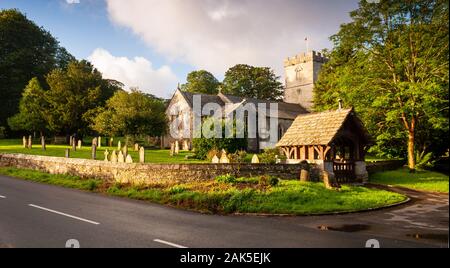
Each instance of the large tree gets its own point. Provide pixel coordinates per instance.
(26, 51)
(252, 82)
(201, 82)
(391, 63)
(73, 94)
(32, 109)
(131, 114)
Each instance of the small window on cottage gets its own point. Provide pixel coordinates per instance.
(280, 132)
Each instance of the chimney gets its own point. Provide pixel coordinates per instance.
(340, 103)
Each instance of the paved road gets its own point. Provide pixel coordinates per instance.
(38, 215)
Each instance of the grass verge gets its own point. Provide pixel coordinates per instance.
(241, 196)
(421, 180)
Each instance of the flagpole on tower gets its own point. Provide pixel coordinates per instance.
(307, 44)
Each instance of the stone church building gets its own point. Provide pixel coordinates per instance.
(301, 72)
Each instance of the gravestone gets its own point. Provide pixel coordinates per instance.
(24, 141)
(129, 160)
(215, 160)
(177, 148)
(142, 155)
(74, 144)
(79, 144)
(125, 150)
(185, 145)
(224, 158)
(43, 143)
(30, 142)
(67, 153)
(70, 140)
(95, 142)
(106, 153)
(119, 146)
(99, 145)
(94, 152)
(113, 156)
(255, 159)
(111, 140)
(120, 157)
(304, 175)
(172, 148)
(136, 147)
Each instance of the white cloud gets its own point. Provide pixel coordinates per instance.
(71, 2)
(137, 72)
(217, 34)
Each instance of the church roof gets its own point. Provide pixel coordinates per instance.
(318, 128)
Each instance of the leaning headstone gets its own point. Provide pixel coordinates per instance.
(106, 153)
(30, 142)
(24, 141)
(94, 152)
(43, 143)
(119, 146)
(120, 157)
(136, 147)
(67, 153)
(99, 145)
(79, 144)
(129, 160)
(172, 148)
(215, 160)
(224, 159)
(114, 156)
(177, 147)
(142, 155)
(255, 159)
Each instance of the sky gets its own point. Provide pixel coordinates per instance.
(154, 44)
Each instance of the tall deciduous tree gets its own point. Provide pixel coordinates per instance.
(32, 109)
(131, 114)
(201, 82)
(252, 82)
(73, 93)
(391, 63)
(26, 51)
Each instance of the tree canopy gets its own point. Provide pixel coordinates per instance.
(131, 114)
(391, 63)
(252, 82)
(26, 51)
(201, 82)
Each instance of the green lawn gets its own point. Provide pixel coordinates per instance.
(242, 196)
(151, 156)
(420, 180)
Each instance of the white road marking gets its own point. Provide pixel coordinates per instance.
(64, 214)
(169, 243)
(1, 196)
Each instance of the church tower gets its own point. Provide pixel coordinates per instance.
(301, 73)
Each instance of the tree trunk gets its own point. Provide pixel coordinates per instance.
(411, 160)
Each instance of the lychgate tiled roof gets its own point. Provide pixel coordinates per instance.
(315, 128)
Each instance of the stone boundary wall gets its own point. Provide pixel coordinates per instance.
(145, 173)
(379, 166)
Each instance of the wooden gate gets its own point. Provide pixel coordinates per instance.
(344, 172)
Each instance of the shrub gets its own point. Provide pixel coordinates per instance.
(238, 156)
(269, 156)
(177, 189)
(228, 178)
(2, 132)
(268, 181)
